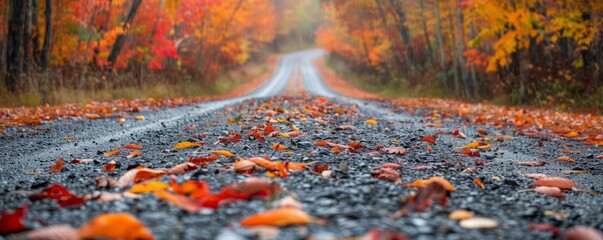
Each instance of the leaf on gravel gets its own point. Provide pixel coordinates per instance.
(139, 117)
(458, 134)
(279, 217)
(371, 121)
(394, 150)
(388, 174)
(80, 161)
(345, 127)
(569, 172)
(182, 168)
(249, 188)
(290, 202)
(582, 233)
(265, 163)
(132, 146)
(474, 145)
(429, 139)
(565, 159)
(191, 188)
(394, 166)
(58, 166)
(558, 215)
(550, 191)
(479, 183)
(478, 223)
(269, 128)
(57, 192)
(109, 166)
(134, 153)
(561, 183)
(92, 116)
(421, 183)
(571, 134)
(12, 222)
(223, 153)
(203, 160)
(278, 147)
(321, 144)
(545, 228)
(62, 232)
(112, 153)
(320, 168)
(470, 153)
(536, 176)
(115, 226)
(460, 215)
(291, 166)
(532, 164)
(243, 166)
(148, 187)
(423, 199)
(187, 144)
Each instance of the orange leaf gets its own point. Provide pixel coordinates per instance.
(92, 116)
(203, 160)
(148, 187)
(429, 139)
(321, 144)
(134, 153)
(182, 168)
(115, 225)
(561, 183)
(371, 121)
(479, 183)
(187, 144)
(267, 164)
(132, 146)
(279, 217)
(565, 159)
(421, 183)
(223, 153)
(297, 166)
(112, 153)
(145, 174)
(335, 150)
(58, 166)
(278, 147)
(109, 166)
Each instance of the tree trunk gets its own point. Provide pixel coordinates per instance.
(389, 35)
(459, 45)
(404, 32)
(455, 73)
(425, 31)
(15, 38)
(27, 37)
(36, 32)
(4, 39)
(438, 32)
(47, 36)
(121, 38)
(473, 71)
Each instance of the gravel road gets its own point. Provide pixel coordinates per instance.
(352, 201)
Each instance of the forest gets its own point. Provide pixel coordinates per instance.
(73, 47)
(547, 53)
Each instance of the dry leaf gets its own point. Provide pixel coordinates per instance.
(59, 193)
(116, 226)
(139, 117)
(148, 187)
(429, 139)
(478, 223)
(279, 217)
(112, 153)
(550, 191)
(132, 146)
(562, 183)
(421, 183)
(182, 168)
(58, 166)
(187, 144)
(223, 153)
(532, 164)
(479, 183)
(278, 147)
(388, 174)
(565, 159)
(394, 150)
(371, 121)
(134, 153)
(265, 163)
(203, 160)
(582, 233)
(460, 215)
(109, 166)
(244, 166)
(12, 222)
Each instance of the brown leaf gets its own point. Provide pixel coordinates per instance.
(182, 168)
(582, 233)
(134, 153)
(478, 223)
(345, 127)
(388, 174)
(565, 159)
(58, 166)
(109, 166)
(562, 183)
(550, 191)
(532, 164)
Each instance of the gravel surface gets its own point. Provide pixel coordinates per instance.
(352, 201)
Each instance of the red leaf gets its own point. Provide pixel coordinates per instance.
(12, 222)
(545, 228)
(320, 168)
(203, 160)
(60, 194)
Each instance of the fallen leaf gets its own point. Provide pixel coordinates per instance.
(571, 134)
(474, 145)
(12, 222)
(132, 146)
(482, 131)
(57, 192)
(320, 168)
(582, 233)
(532, 164)
(568, 172)
(460, 215)
(479, 183)
(371, 121)
(58, 166)
(565, 159)
(394, 166)
(279, 217)
(561, 183)
(265, 163)
(550, 191)
(121, 120)
(116, 226)
(182, 168)
(79, 161)
(187, 144)
(388, 174)
(394, 150)
(421, 183)
(429, 139)
(92, 116)
(134, 153)
(109, 166)
(203, 160)
(345, 127)
(148, 187)
(223, 153)
(139, 117)
(545, 228)
(112, 153)
(536, 176)
(278, 147)
(478, 223)
(244, 166)
(291, 166)
(555, 214)
(458, 134)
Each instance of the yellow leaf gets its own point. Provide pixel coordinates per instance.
(460, 215)
(571, 134)
(139, 117)
(371, 121)
(187, 144)
(223, 153)
(148, 187)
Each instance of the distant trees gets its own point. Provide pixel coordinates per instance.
(476, 48)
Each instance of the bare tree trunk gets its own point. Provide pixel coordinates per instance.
(36, 32)
(4, 49)
(425, 31)
(121, 38)
(440, 40)
(15, 36)
(457, 86)
(47, 36)
(459, 43)
(27, 37)
(404, 32)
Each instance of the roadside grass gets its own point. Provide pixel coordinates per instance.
(153, 86)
